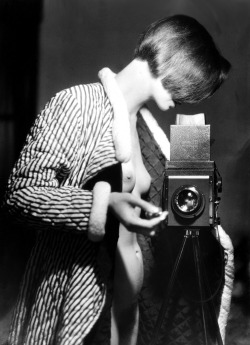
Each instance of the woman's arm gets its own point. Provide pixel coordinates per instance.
(34, 194)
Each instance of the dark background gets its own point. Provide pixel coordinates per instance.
(48, 45)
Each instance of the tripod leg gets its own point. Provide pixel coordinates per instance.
(168, 291)
(203, 281)
(210, 302)
(198, 272)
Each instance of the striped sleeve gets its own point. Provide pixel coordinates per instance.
(34, 194)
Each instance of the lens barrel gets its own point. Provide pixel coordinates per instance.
(188, 201)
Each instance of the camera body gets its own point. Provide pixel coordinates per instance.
(192, 182)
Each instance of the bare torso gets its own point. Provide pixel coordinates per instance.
(129, 264)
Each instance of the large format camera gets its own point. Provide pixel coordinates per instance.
(191, 195)
(192, 182)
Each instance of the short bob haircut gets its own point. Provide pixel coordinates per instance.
(182, 53)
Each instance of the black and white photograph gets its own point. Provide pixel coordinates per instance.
(124, 172)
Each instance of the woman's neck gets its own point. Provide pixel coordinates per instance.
(134, 83)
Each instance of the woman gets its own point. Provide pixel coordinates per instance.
(79, 180)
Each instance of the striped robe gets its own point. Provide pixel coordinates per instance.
(63, 290)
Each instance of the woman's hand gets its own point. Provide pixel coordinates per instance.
(125, 208)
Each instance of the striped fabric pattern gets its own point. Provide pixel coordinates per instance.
(70, 142)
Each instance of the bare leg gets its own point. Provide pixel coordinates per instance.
(127, 284)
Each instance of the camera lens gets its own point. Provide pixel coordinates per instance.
(188, 201)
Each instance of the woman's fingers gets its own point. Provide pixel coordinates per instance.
(147, 227)
(150, 223)
(125, 206)
(145, 205)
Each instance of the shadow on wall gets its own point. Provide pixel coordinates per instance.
(241, 176)
(240, 189)
(19, 38)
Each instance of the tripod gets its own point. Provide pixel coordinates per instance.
(203, 287)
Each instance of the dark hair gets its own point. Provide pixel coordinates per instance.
(181, 51)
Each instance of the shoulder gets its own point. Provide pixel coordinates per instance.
(77, 99)
(80, 106)
(79, 94)
(89, 98)
(86, 92)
